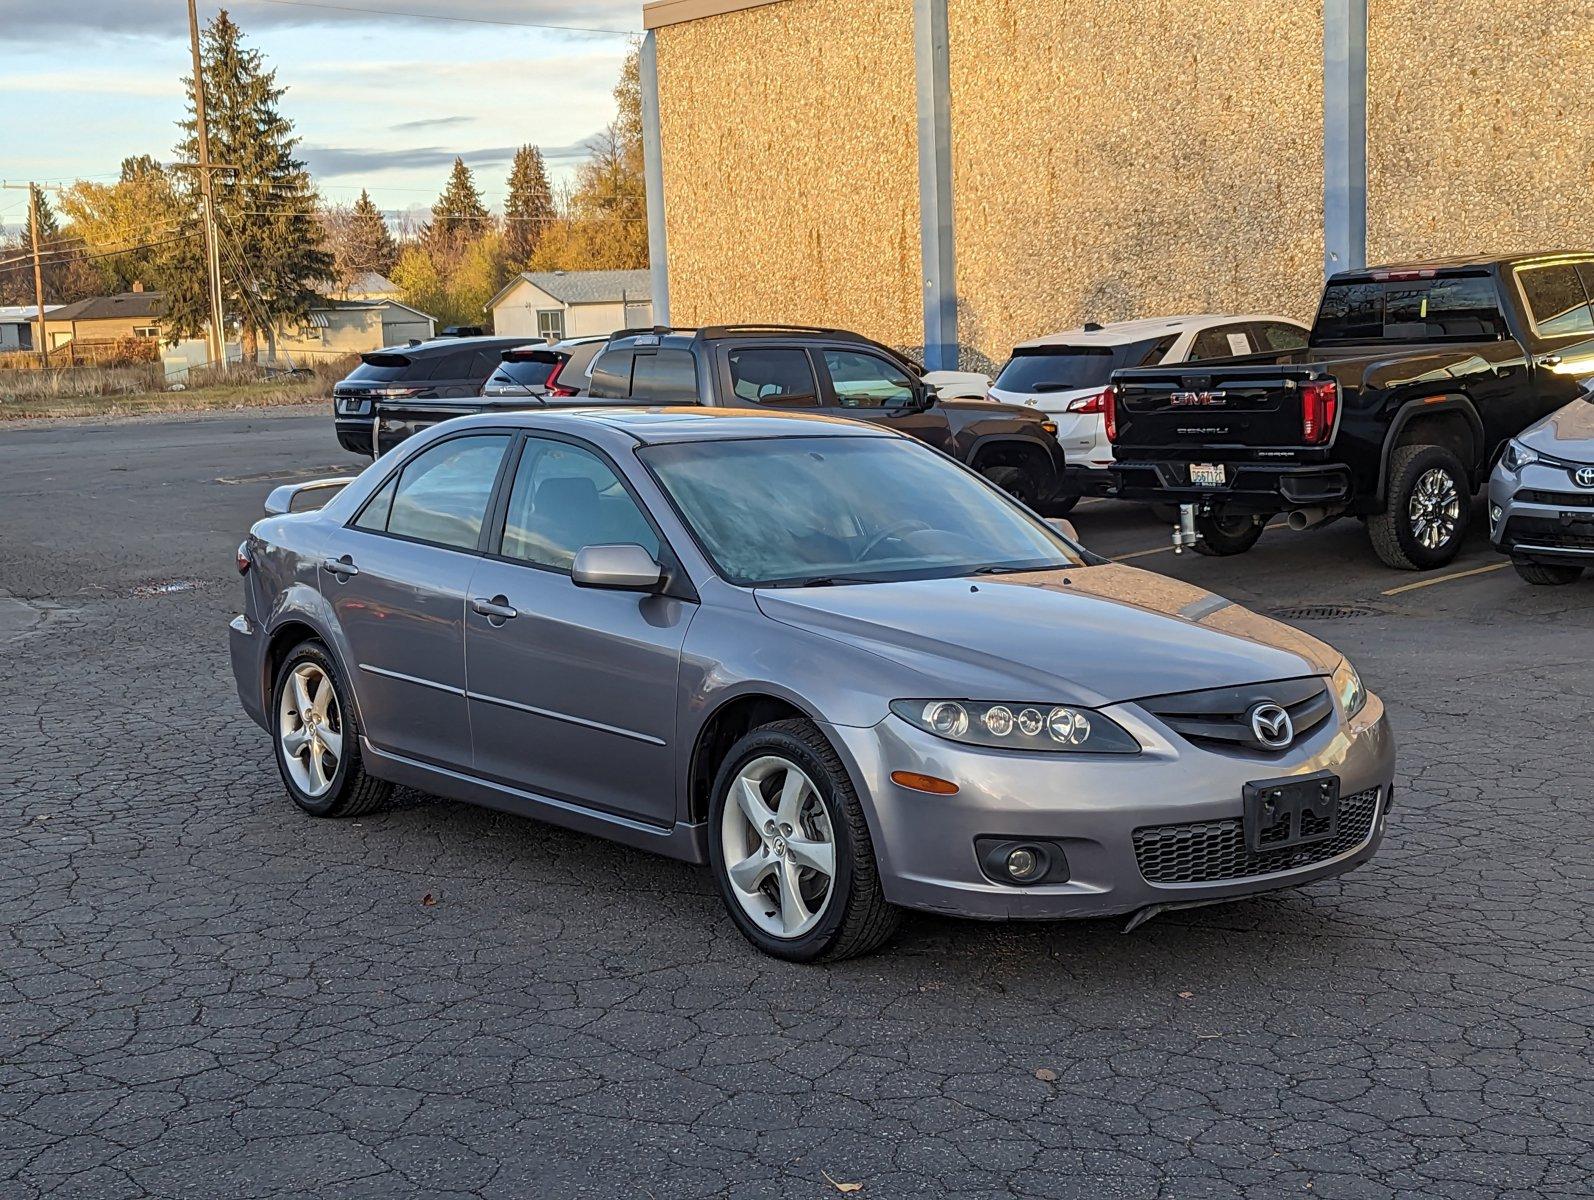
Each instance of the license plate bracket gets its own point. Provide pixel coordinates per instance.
(1208, 475)
(1294, 811)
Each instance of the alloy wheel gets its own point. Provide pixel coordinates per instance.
(310, 729)
(780, 848)
(1435, 508)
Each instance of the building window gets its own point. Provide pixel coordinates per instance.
(146, 331)
(551, 324)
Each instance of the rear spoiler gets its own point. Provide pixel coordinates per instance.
(532, 354)
(281, 499)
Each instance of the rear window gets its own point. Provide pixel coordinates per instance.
(1445, 308)
(384, 368)
(1063, 368)
(527, 374)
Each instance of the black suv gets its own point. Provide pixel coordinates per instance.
(791, 368)
(402, 389)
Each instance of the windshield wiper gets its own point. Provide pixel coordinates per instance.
(1000, 570)
(821, 581)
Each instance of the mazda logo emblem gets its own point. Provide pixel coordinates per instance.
(1584, 477)
(1271, 726)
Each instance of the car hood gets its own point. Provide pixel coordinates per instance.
(1086, 635)
(1566, 433)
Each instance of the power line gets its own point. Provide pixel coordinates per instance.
(12, 264)
(423, 16)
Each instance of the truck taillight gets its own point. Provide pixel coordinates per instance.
(1091, 404)
(1319, 407)
(1109, 411)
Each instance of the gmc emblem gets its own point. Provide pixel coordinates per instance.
(1196, 399)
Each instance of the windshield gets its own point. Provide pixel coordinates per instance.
(1066, 368)
(812, 510)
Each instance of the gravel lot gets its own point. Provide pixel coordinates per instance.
(205, 994)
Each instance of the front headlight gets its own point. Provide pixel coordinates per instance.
(1348, 687)
(1049, 728)
(1518, 456)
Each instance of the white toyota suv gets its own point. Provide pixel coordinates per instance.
(1065, 374)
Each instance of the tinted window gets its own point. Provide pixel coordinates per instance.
(441, 494)
(1057, 368)
(866, 380)
(564, 498)
(665, 377)
(1152, 353)
(388, 369)
(527, 374)
(1222, 341)
(374, 514)
(1557, 299)
(1460, 307)
(1275, 336)
(769, 375)
(457, 364)
(611, 375)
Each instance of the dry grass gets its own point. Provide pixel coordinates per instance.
(113, 391)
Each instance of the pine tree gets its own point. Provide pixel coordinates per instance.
(49, 225)
(458, 218)
(372, 244)
(528, 210)
(272, 252)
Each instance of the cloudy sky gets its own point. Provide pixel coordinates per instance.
(382, 100)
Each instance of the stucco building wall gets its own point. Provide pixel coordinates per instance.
(1478, 127)
(790, 158)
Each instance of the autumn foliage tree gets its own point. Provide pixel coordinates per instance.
(124, 224)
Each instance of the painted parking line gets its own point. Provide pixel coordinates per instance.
(1422, 583)
(1168, 549)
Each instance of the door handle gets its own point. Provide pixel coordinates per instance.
(1548, 360)
(496, 609)
(341, 567)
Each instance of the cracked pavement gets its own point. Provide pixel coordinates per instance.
(204, 993)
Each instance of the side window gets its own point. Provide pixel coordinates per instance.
(485, 363)
(666, 377)
(1221, 341)
(441, 494)
(564, 498)
(1277, 337)
(766, 375)
(454, 365)
(866, 380)
(1152, 354)
(611, 375)
(1556, 299)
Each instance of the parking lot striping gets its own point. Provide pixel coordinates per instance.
(1422, 583)
(1168, 548)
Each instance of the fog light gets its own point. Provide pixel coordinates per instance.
(1023, 864)
(1494, 514)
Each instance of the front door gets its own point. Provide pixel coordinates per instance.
(864, 386)
(396, 579)
(572, 690)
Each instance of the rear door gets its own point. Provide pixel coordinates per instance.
(396, 579)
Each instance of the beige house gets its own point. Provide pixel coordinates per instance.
(560, 304)
(339, 327)
(1094, 160)
(103, 319)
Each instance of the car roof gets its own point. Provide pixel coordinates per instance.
(684, 423)
(1119, 333)
(441, 345)
(1464, 261)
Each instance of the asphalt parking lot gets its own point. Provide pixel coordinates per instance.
(204, 993)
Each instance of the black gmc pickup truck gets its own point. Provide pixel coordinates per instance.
(1413, 379)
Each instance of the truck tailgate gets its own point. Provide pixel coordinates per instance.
(1222, 413)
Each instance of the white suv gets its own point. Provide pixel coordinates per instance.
(1064, 375)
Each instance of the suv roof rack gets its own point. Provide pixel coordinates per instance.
(756, 327)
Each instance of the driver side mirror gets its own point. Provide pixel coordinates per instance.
(622, 567)
(1064, 527)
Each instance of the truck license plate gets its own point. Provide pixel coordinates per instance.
(1207, 474)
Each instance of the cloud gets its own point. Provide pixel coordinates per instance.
(52, 20)
(430, 123)
(331, 162)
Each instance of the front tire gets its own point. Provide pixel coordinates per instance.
(790, 850)
(1223, 535)
(1428, 509)
(1017, 482)
(317, 738)
(1547, 574)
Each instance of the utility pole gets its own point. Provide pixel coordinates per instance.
(207, 199)
(38, 270)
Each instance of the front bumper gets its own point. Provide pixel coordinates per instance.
(1090, 807)
(1540, 515)
(1252, 487)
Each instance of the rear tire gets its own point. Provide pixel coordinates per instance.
(1222, 535)
(317, 740)
(1061, 506)
(1017, 482)
(1547, 574)
(819, 818)
(1427, 510)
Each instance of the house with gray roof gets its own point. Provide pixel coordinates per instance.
(551, 305)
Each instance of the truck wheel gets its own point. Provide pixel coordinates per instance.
(1223, 535)
(1017, 482)
(1061, 506)
(1547, 574)
(1427, 511)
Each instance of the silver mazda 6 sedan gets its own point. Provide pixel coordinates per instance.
(828, 661)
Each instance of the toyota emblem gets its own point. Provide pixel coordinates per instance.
(1584, 477)
(1271, 726)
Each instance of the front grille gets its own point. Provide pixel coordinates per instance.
(1557, 499)
(1546, 531)
(1214, 851)
(1219, 718)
